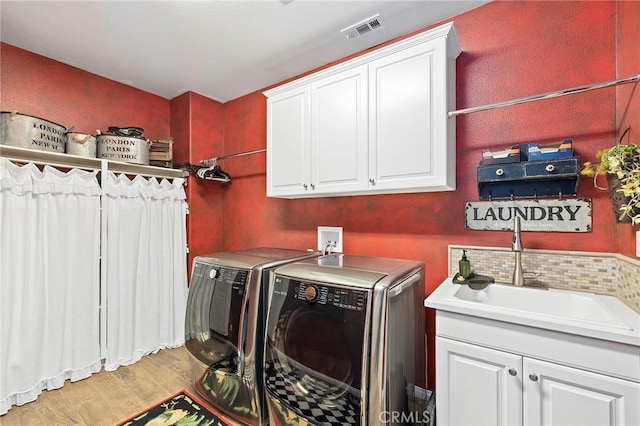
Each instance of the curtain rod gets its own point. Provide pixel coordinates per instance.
(548, 95)
(212, 161)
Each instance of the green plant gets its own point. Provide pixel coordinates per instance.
(624, 162)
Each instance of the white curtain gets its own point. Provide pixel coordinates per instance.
(49, 280)
(146, 267)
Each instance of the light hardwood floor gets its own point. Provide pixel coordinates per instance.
(107, 398)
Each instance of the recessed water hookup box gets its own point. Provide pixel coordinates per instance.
(330, 239)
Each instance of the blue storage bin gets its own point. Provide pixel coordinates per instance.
(562, 149)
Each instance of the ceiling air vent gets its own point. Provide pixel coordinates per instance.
(362, 27)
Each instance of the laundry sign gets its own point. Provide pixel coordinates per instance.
(547, 215)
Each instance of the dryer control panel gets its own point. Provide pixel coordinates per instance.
(226, 300)
(338, 297)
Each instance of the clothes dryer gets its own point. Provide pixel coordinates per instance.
(345, 341)
(224, 327)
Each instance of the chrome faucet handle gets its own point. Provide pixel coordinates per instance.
(517, 241)
(518, 273)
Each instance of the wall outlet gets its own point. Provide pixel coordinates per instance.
(330, 239)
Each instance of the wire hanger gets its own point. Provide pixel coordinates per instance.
(214, 172)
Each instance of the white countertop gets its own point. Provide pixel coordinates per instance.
(580, 313)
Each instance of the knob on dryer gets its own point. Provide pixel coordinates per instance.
(311, 293)
(213, 273)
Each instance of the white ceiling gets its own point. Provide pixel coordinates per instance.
(221, 49)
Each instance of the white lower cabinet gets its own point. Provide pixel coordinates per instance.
(475, 387)
(559, 395)
(478, 385)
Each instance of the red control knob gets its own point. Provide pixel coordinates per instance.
(311, 293)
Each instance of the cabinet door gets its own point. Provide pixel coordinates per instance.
(339, 132)
(556, 395)
(411, 143)
(288, 143)
(476, 385)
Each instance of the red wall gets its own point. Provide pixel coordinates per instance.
(34, 85)
(38, 86)
(510, 50)
(198, 124)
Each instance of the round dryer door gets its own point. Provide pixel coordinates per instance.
(314, 351)
(316, 344)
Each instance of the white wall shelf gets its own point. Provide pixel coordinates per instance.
(54, 159)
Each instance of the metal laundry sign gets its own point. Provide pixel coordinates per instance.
(563, 215)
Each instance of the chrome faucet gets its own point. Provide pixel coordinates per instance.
(516, 246)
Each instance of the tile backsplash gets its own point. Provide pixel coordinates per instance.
(602, 273)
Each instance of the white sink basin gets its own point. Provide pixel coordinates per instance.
(581, 313)
(566, 304)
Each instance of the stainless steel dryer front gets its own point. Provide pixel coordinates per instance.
(344, 341)
(225, 327)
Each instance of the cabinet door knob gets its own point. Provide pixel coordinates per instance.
(533, 377)
(513, 371)
(499, 172)
(372, 181)
(313, 186)
(304, 185)
(550, 168)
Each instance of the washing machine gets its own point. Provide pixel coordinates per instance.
(224, 328)
(345, 341)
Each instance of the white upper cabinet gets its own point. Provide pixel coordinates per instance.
(288, 118)
(376, 124)
(412, 141)
(339, 132)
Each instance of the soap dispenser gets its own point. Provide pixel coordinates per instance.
(464, 266)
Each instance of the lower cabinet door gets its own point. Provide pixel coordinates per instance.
(556, 395)
(476, 385)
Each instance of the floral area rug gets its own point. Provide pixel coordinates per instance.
(181, 409)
